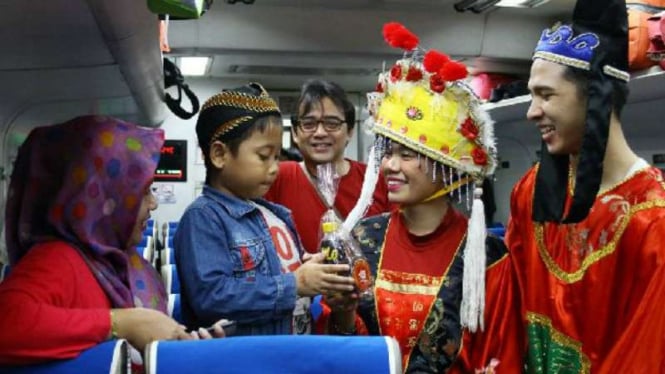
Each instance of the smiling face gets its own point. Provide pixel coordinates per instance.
(321, 146)
(249, 172)
(556, 107)
(405, 175)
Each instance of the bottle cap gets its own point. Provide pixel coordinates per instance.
(329, 227)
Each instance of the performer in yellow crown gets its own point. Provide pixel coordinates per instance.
(433, 144)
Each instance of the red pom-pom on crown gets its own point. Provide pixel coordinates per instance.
(398, 36)
(434, 61)
(452, 71)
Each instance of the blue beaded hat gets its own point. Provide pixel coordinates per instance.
(597, 43)
(562, 45)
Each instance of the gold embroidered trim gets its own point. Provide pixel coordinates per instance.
(378, 274)
(561, 339)
(228, 126)
(261, 104)
(556, 335)
(443, 277)
(553, 57)
(413, 289)
(639, 171)
(616, 73)
(571, 179)
(496, 262)
(596, 255)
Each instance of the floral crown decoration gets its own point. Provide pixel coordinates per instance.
(424, 103)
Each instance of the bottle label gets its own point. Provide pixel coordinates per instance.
(331, 254)
(362, 274)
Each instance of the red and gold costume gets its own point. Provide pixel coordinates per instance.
(418, 292)
(592, 290)
(449, 298)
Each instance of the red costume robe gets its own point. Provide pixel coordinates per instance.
(592, 292)
(417, 296)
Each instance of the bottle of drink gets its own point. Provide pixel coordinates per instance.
(343, 249)
(332, 245)
(360, 270)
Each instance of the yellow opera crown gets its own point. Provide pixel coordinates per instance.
(441, 120)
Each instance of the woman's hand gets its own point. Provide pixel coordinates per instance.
(342, 301)
(343, 308)
(141, 326)
(214, 331)
(314, 277)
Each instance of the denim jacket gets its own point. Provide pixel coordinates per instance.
(229, 267)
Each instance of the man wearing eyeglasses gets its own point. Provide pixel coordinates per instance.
(321, 128)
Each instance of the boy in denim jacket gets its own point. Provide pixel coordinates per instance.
(238, 256)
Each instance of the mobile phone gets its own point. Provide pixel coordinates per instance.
(228, 326)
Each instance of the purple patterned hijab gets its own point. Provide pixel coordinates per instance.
(82, 182)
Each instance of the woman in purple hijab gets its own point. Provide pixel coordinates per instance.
(78, 202)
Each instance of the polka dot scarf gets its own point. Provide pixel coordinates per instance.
(83, 181)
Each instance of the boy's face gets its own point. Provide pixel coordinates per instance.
(320, 145)
(405, 175)
(250, 173)
(556, 107)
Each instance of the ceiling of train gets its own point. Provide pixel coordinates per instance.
(104, 56)
(282, 42)
(549, 8)
(100, 54)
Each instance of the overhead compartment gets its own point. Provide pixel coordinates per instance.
(131, 34)
(284, 43)
(63, 58)
(87, 51)
(646, 88)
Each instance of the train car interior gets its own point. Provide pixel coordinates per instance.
(65, 58)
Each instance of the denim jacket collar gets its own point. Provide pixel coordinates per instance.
(237, 207)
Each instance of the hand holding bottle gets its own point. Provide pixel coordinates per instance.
(338, 248)
(316, 277)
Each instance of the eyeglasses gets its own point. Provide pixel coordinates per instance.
(330, 124)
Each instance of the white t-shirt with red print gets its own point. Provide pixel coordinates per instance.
(289, 257)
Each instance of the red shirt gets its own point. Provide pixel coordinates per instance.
(294, 190)
(52, 307)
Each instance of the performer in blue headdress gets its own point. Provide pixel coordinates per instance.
(588, 222)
